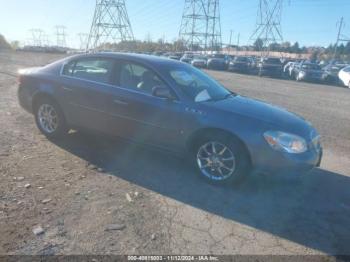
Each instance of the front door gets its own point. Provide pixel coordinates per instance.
(140, 116)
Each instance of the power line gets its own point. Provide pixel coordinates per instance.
(110, 24)
(200, 26)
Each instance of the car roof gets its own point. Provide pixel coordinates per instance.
(142, 58)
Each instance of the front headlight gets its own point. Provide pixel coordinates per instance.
(285, 142)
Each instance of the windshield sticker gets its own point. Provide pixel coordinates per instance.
(203, 96)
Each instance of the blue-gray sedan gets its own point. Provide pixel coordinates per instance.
(170, 105)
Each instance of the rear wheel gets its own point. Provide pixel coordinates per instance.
(49, 118)
(221, 160)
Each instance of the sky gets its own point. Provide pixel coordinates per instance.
(310, 22)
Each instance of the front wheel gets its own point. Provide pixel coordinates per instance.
(222, 160)
(49, 118)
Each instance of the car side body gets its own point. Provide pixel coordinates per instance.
(307, 71)
(240, 64)
(218, 62)
(270, 66)
(331, 72)
(344, 76)
(174, 122)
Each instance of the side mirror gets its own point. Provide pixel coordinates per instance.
(162, 92)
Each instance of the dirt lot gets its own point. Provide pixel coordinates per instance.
(91, 195)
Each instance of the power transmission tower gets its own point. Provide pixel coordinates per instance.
(268, 26)
(45, 40)
(340, 37)
(37, 37)
(83, 38)
(110, 24)
(201, 27)
(61, 36)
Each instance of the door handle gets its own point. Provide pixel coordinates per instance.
(67, 89)
(120, 102)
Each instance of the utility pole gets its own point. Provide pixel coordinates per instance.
(201, 26)
(231, 38)
(110, 24)
(61, 36)
(268, 25)
(340, 37)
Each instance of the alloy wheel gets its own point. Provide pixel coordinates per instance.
(216, 161)
(48, 118)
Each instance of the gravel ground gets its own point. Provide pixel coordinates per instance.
(91, 195)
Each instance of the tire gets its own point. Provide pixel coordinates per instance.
(349, 85)
(241, 163)
(45, 109)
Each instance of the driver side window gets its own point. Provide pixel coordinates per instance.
(137, 77)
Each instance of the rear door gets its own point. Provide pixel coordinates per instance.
(86, 87)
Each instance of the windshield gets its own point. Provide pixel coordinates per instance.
(197, 85)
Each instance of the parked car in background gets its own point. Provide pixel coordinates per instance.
(170, 105)
(187, 58)
(240, 64)
(331, 73)
(270, 66)
(254, 61)
(218, 62)
(288, 69)
(307, 71)
(199, 61)
(175, 56)
(344, 76)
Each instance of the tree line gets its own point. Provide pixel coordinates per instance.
(340, 51)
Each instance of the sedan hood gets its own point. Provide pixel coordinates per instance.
(272, 115)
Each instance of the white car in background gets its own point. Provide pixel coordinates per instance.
(344, 76)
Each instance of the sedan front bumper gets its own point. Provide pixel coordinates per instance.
(282, 163)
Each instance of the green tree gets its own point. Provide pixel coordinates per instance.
(258, 44)
(295, 48)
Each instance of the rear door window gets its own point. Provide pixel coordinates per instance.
(94, 69)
